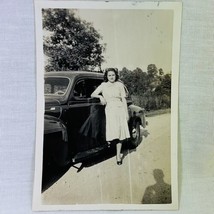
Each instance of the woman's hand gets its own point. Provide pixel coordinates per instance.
(125, 108)
(102, 100)
(96, 95)
(127, 117)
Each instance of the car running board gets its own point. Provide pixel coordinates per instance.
(89, 153)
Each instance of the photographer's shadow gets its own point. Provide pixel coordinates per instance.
(159, 193)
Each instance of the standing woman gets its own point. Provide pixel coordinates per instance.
(112, 94)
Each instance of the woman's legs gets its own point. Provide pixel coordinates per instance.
(118, 152)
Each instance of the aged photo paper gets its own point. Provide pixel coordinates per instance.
(78, 164)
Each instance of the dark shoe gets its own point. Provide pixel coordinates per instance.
(119, 162)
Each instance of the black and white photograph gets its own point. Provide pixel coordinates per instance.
(107, 105)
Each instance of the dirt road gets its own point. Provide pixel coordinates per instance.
(106, 182)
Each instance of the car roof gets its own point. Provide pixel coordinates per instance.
(72, 74)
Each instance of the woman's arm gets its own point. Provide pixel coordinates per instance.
(125, 107)
(123, 97)
(96, 94)
(102, 100)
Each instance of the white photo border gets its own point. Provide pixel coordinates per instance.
(177, 9)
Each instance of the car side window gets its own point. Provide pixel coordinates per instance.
(84, 88)
(80, 89)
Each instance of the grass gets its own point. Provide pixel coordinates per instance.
(157, 112)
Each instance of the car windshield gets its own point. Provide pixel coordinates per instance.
(56, 86)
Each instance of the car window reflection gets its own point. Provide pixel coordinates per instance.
(56, 86)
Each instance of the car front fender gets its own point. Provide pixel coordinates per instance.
(137, 114)
(54, 125)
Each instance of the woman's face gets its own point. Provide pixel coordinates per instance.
(111, 76)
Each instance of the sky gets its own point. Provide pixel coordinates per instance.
(134, 38)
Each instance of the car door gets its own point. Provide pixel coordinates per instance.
(80, 114)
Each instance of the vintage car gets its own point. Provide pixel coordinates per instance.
(68, 106)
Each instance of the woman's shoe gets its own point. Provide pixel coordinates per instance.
(119, 162)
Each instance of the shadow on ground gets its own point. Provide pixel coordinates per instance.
(52, 174)
(160, 192)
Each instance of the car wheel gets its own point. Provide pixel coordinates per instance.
(135, 135)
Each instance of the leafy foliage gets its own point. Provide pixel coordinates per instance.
(151, 89)
(69, 42)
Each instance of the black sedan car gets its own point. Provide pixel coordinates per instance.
(68, 110)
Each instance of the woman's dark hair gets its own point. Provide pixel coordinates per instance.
(115, 70)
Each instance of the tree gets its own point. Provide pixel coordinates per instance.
(70, 43)
(134, 80)
(166, 84)
(140, 81)
(163, 91)
(127, 78)
(151, 89)
(152, 70)
(153, 78)
(161, 73)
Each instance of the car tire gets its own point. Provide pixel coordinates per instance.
(135, 137)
